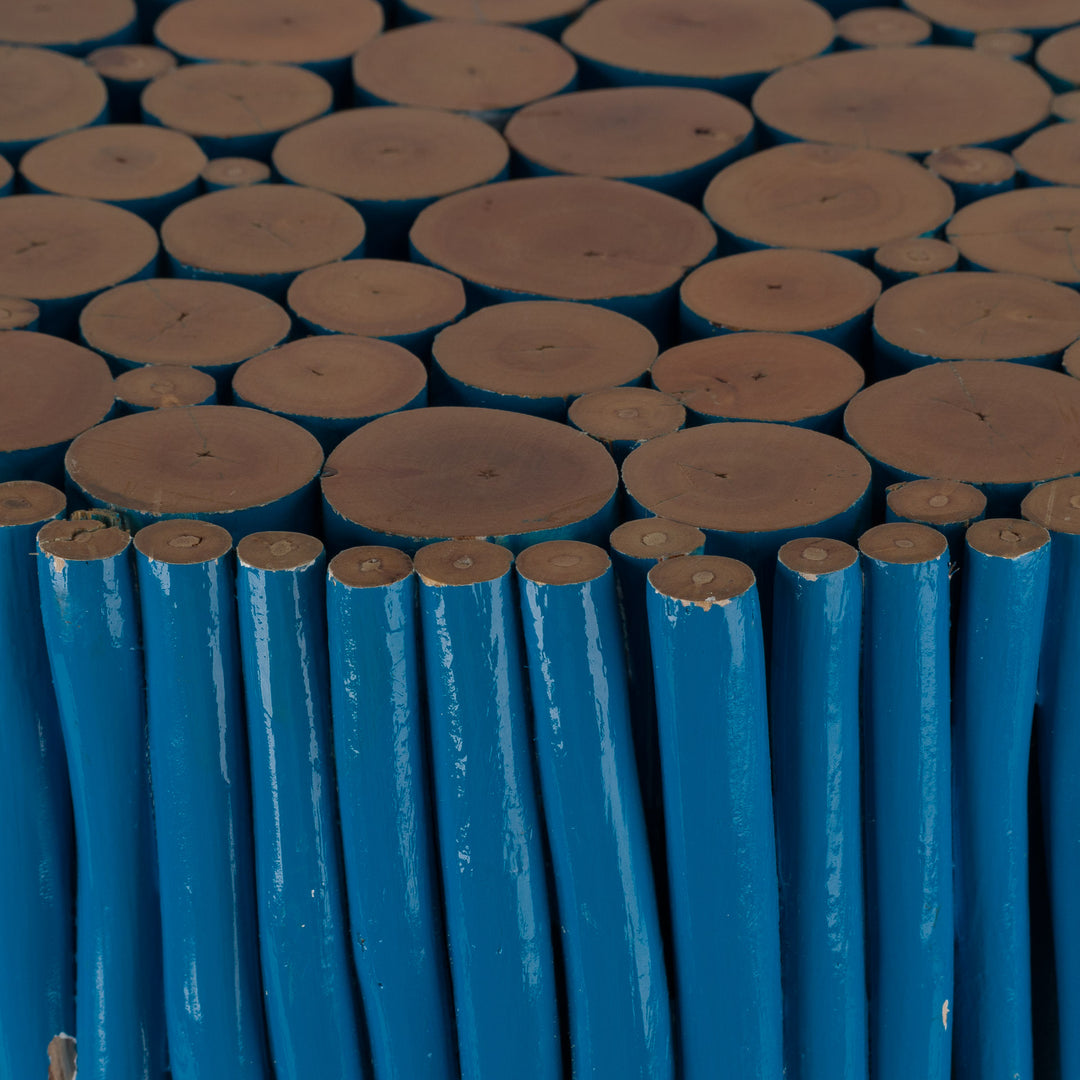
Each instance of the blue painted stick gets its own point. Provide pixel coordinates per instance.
(90, 615)
(37, 923)
(909, 896)
(709, 667)
(312, 1012)
(497, 914)
(1003, 601)
(817, 620)
(199, 770)
(1055, 507)
(619, 1019)
(383, 776)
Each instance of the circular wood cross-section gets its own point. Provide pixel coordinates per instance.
(463, 66)
(1059, 57)
(974, 16)
(1070, 360)
(1011, 44)
(370, 566)
(545, 349)
(656, 538)
(816, 555)
(164, 386)
(1030, 231)
(461, 472)
(706, 40)
(257, 31)
(587, 238)
(43, 93)
(24, 502)
(1055, 506)
(915, 99)
(780, 289)
(630, 414)
(972, 165)
(331, 376)
(177, 321)
(915, 256)
(874, 27)
(747, 478)
(829, 198)
(701, 579)
(1066, 106)
(462, 562)
(788, 378)
(73, 26)
(55, 247)
(629, 131)
(376, 297)
(210, 459)
(278, 550)
(902, 543)
(114, 162)
(131, 63)
(499, 11)
(50, 390)
(183, 542)
(17, 313)
(1006, 538)
(82, 541)
(262, 229)
(562, 562)
(234, 172)
(936, 502)
(978, 316)
(232, 100)
(391, 153)
(980, 421)
(1051, 155)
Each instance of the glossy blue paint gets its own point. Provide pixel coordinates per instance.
(381, 753)
(312, 1010)
(908, 829)
(37, 918)
(1003, 601)
(619, 1019)
(814, 709)
(90, 615)
(202, 806)
(498, 919)
(709, 669)
(1058, 744)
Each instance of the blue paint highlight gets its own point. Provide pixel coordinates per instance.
(202, 805)
(619, 1019)
(37, 918)
(908, 822)
(90, 614)
(489, 828)
(814, 681)
(384, 786)
(1003, 601)
(313, 1014)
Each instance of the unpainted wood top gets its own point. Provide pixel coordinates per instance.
(918, 255)
(63, 22)
(1006, 538)
(655, 538)
(235, 172)
(462, 562)
(1066, 106)
(183, 321)
(913, 99)
(562, 562)
(278, 550)
(703, 580)
(936, 502)
(813, 556)
(1059, 55)
(131, 63)
(629, 131)
(1055, 505)
(183, 541)
(873, 27)
(502, 11)
(377, 297)
(392, 153)
(977, 15)
(16, 313)
(44, 93)
(24, 502)
(370, 566)
(627, 414)
(830, 198)
(1051, 154)
(466, 66)
(971, 165)
(587, 238)
(1011, 44)
(164, 386)
(545, 348)
(87, 540)
(903, 543)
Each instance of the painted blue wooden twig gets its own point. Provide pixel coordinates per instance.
(202, 806)
(1056, 507)
(619, 1019)
(709, 667)
(489, 826)
(814, 709)
(384, 788)
(1003, 601)
(313, 1015)
(908, 820)
(37, 918)
(90, 613)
